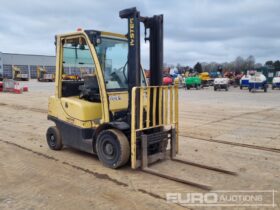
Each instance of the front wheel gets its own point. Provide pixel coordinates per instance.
(54, 138)
(112, 148)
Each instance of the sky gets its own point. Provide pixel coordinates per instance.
(194, 30)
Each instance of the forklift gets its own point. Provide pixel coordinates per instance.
(18, 75)
(111, 111)
(43, 76)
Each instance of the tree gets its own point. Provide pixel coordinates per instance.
(239, 64)
(250, 62)
(269, 63)
(178, 66)
(220, 69)
(277, 65)
(258, 65)
(198, 67)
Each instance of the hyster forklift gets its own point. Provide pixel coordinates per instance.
(18, 75)
(43, 76)
(111, 111)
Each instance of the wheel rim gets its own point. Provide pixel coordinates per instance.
(52, 140)
(108, 149)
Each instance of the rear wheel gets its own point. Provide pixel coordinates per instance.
(241, 87)
(54, 138)
(112, 148)
(265, 89)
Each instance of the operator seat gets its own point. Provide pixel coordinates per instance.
(90, 89)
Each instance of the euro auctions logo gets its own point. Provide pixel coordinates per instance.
(224, 198)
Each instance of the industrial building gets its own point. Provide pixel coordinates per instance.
(26, 62)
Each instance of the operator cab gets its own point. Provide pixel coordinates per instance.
(93, 72)
(79, 70)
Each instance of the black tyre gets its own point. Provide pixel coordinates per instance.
(226, 88)
(112, 148)
(241, 87)
(215, 89)
(265, 89)
(188, 87)
(273, 87)
(54, 138)
(250, 89)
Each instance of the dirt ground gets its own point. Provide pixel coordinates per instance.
(235, 130)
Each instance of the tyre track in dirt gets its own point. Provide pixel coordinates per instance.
(20, 107)
(222, 121)
(190, 116)
(235, 116)
(231, 118)
(270, 149)
(95, 174)
(241, 120)
(137, 180)
(28, 192)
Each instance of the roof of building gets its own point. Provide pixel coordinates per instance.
(27, 59)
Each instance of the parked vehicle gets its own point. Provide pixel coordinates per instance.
(230, 76)
(192, 82)
(258, 81)
(214, 74)
(237, 78)
(221, 83)
(206, 80)
(276, 81)
(244, 81)
(18, 75)
(43, 76)
(174, 72)
(167, 80)
(178, 80)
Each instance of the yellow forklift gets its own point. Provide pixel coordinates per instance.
(43, 76)
(18, 75)
(111, 111)
(206, 80)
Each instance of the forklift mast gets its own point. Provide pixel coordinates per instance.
(155, 26)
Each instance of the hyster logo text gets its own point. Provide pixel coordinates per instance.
(131, 32)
